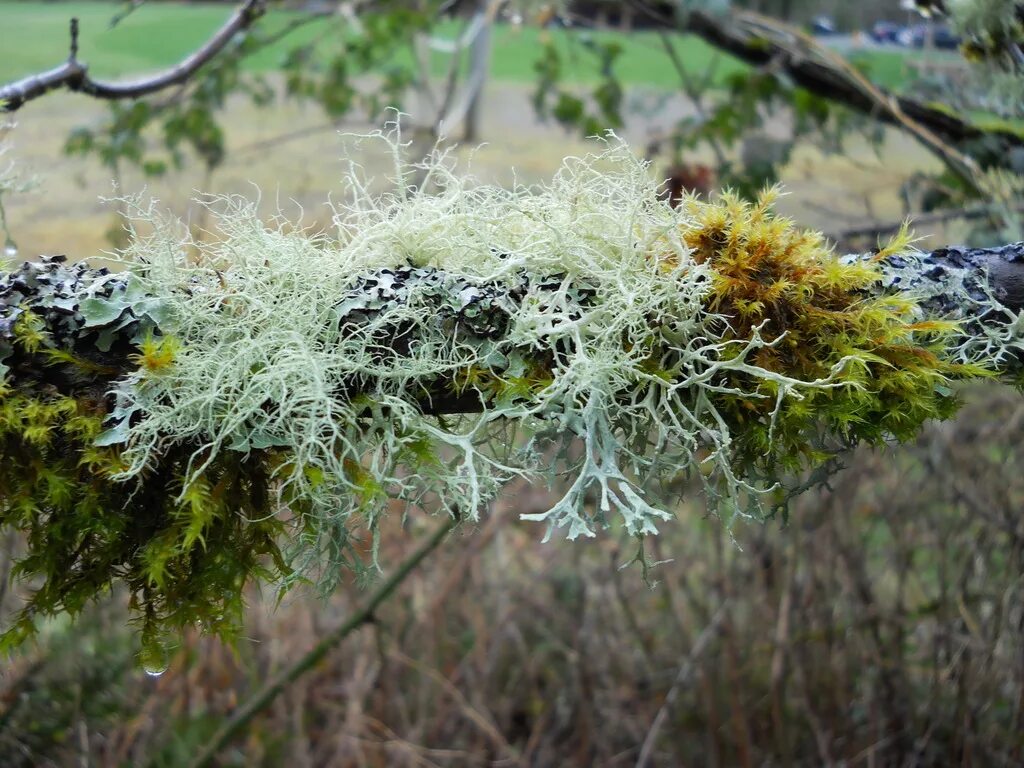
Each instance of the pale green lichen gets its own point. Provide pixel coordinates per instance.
(990, 22)
(606, 342)
(634, 357)
(997, 339)
(991, 334)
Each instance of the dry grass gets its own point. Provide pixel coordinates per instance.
(294, 156)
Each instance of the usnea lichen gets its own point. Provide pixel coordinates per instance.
(455, 336)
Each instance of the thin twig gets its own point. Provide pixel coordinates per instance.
(245, 713)
(885, 103)
(932, 217)
(685, 671)
(694, 91)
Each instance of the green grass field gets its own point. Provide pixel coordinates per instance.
(34, 37)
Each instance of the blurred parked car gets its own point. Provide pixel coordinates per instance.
(916, 36)
(946, 38)
(823, 25)
(885, 32)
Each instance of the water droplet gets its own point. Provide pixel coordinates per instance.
(10, 250)
(155, 660)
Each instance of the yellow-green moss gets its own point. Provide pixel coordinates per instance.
(183, 562)
(815, 311)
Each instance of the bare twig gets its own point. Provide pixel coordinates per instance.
(259, 701)
(933, 217)
(74, 75)
(685, 671)
(695, 91)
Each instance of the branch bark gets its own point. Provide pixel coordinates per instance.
(74, 75)
(762, 42)
(85, 314)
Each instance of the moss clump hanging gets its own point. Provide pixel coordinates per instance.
(182, 550)
(183, 561)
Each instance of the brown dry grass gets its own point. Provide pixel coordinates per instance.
(294, 156)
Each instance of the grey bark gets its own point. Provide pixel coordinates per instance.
(92, 313)
(74, 75)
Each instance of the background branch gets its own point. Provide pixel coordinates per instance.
(74, 75)
(751, 38)
(883, 228)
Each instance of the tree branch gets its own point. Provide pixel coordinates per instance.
(85, 314)
(74, 75)
(885, 228)
(686, 668)
(752, 39)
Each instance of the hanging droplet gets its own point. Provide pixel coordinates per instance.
(155, 660)
(10, 249)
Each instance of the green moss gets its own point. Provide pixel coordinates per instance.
(184, 557)
(884, 368)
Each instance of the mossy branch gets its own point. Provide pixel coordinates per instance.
(190, 424)
(87, 353)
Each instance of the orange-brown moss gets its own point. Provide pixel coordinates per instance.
(815, 311)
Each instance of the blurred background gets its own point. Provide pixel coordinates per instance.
(880, 625)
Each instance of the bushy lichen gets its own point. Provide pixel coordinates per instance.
(645, 339)
(990, 27)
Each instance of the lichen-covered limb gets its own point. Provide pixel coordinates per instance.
(71, 336)
(981, 288)
(98, 319)
(197, 421)
(955, 280)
